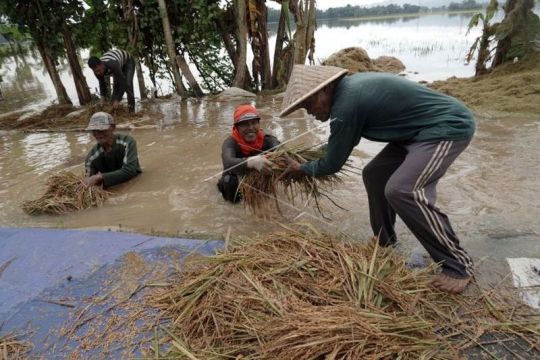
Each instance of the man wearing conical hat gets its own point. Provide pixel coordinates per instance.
(243, 150)
(425, 131)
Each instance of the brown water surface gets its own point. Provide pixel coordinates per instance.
(490, 193)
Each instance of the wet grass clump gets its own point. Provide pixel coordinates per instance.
(69, 118)
(512, 87)
(66, 192)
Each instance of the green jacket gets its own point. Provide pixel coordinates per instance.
(118, 165)
(388, 108)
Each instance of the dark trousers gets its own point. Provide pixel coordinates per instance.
(129, 73)
(401, 180)
(228, 186)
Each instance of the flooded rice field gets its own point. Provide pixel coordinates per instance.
(490, 193)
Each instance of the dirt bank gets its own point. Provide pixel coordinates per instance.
(513, 87)
(71, 118)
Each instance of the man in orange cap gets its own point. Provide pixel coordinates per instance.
(243, 150)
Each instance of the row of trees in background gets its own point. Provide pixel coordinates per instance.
(167, 36)
(350, 11)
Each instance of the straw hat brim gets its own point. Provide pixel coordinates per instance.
(312, 91)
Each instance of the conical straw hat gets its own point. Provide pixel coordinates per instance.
(305, 81)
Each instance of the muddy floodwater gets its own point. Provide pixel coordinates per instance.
(490, 193)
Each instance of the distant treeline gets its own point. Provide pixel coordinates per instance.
(381, 10)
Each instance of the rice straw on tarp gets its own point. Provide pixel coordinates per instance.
(65, 192)
(13, 348)
(313, 296)
(260, 191)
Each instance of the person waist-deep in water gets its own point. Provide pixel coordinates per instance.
(425, 131)
(113, 160)
(242, 151)
(120, 65)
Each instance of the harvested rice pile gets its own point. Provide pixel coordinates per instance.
(65, 192)
(311, 296)
(12, 348)
(260, 191)
(513, 88)
(356, 59)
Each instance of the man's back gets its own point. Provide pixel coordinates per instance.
(117, 55)
(386, 107)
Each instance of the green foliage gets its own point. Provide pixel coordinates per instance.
(520, 27)
(526, 37)
(196, 35)
(481, 43)
(99, 25)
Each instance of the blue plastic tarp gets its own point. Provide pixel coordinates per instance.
(40, 264)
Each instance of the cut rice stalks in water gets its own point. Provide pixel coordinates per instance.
(311, 296)
(66, 192)
(13, 348)
(262, 192)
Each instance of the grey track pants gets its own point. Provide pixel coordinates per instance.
(402, 180)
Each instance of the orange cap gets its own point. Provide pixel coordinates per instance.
(245, 112)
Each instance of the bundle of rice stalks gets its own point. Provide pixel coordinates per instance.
(260, 190)
(311, 296)
(65, 192)
(12, 348)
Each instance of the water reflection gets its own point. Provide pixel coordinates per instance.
(45, 151)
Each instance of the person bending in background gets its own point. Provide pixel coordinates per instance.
(242, 150)
(121, 66)
(113, 160)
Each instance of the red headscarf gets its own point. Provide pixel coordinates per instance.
(243, 113)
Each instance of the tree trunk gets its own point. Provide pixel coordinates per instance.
(183, 65)
(264, 52)
(133, 36)
(241, 35)
(278, 49)
(310, 36)
(83, 92)
(171, 48)
(483, 51)
(231, 50)
(140, 78)
(300, 35)
(53, 73)
(503, 45)
(304, 13)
